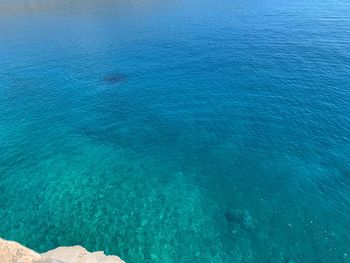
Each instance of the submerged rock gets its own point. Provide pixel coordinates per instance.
(12, 252)
(240, 218)
(114, 78)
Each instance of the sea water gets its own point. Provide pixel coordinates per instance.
(177, 131)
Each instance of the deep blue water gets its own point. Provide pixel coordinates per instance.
(177, 131)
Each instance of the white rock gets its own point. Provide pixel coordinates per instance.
(13, 252)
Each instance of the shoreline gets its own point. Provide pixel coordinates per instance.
(13, 252)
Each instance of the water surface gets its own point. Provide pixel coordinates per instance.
(177, 131)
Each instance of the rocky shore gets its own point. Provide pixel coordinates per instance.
(13, 252)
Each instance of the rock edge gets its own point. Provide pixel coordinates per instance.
(13, 252)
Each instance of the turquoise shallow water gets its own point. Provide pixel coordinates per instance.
(177, 131)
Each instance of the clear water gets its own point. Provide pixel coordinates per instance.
(177, 131)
